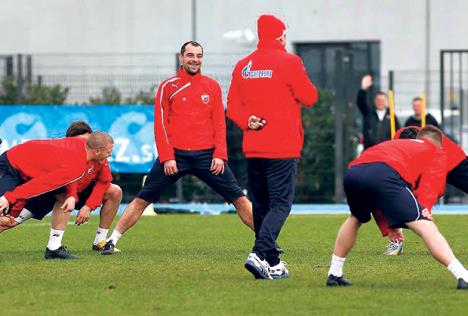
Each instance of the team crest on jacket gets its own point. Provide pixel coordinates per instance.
(205, 98)
(255, 74)
(90, 170)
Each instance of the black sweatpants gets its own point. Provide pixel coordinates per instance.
(271, 186)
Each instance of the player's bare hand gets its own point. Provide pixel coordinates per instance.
(366, 82)
(69, 204)
(396, 234)
(7, 221)
(4, 205)
(170, 167)
(427, 214)
(83, 215)
(255, 123)
(217, 166)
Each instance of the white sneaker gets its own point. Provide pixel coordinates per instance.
(259, 268)
(394, 249)
(280, 271)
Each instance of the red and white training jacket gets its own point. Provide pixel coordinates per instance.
(46, 165)
(189, 115)
(95, 171)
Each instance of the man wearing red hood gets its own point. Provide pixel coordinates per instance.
(265, 95)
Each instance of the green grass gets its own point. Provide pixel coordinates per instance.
(185, 265)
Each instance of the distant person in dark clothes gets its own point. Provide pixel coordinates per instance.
(415, 119)
(376, 126)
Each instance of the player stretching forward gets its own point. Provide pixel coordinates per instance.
(381, 178)
(94, 189)
(457, 175)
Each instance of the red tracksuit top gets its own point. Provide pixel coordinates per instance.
(189, 115)
(95, 171)
(454, 152)
(416, 160)
(46, 165)
(271, 84)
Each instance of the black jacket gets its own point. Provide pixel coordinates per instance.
(411, 121)
(373, 130)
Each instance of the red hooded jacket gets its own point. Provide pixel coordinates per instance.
(189, 115)
(271, 84)
(46, 165)
(416, 160)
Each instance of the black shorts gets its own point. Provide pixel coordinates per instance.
(378, 186)
(43, 204)
(9, 177)
(196, 163)
(458, 177)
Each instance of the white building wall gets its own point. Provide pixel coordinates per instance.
(159, 27)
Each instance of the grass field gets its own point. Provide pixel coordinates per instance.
(190, 264)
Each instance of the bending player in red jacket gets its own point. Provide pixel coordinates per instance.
(40, 166)
(457, 175)
(382, 178)
(89, 192)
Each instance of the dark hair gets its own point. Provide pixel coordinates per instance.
(409, 133)
(193, 43)
(417, 99)
(78, 128)
(380, 93)
(431, 132)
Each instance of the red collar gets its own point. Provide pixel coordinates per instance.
(188, 77)
(270, 44)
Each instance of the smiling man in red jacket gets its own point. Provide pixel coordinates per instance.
(265, 95)
(190, 133)
(382, 178)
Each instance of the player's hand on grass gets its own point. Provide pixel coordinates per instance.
(366, 82)
(83, 215)
(7, 221)
(4, 205)
(68, 205)
(217, 166)
(427, 214)
(170, 167)
(255, 123)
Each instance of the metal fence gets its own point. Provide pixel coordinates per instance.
(87, 74)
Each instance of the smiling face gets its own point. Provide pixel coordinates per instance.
(191, 59)
(102, 154)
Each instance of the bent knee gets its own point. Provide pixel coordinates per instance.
(114, 192)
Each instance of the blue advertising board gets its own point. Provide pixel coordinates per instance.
(131, 126)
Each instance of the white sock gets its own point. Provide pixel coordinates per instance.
(23, 216)
(336, 266)
(55, 239)
(458, 270)
(115, 237)
(101, 234)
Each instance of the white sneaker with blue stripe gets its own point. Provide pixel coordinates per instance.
(259, 268)
(279, 271)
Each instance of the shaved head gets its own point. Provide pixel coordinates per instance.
(99, 140)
